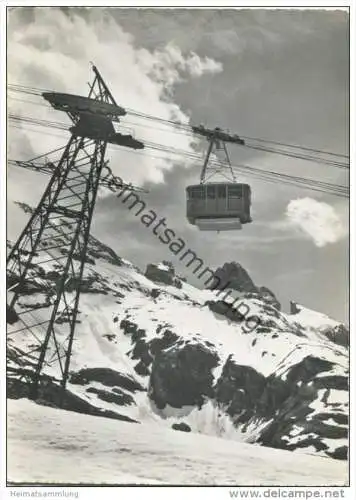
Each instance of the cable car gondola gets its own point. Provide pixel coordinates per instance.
(218, 206)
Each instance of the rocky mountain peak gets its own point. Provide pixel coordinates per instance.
(233, 276)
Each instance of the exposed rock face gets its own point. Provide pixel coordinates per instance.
(155, 293)
(233, 276)
(339, 334)
(163, 273)
(225, 309)
(182, 376)
(50, 394)
(238, 390)
(269, 297)
(283, 406)
(160, 273)
(300, 423)
(177, 282)
(181, 427)
(107, 377)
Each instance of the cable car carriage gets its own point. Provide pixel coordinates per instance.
(218, 206)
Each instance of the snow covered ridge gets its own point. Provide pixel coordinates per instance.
(315, 321)
(146, 351)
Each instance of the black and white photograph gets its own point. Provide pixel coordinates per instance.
(176, 251)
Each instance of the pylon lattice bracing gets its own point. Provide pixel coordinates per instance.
(45, 266)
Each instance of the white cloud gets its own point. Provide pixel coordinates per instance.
(198, 66)
(53, 52)
(317, 220)
(170, 65)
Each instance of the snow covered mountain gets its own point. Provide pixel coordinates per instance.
(162, 351)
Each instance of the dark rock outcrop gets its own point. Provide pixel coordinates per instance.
(181, 427)
(163, 273)
(177, 282)
(238, 390)
(115, 396)
(283, 406)
(107, 377)
(232, 276)
(269, 297)
(160, 273)
(50, 394)
(155, 292)
(182, 376)
(295, 411)
(226, 309)
(339, 335)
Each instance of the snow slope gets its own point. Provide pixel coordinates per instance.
(313, 319)
(166, 355)
(109, 452)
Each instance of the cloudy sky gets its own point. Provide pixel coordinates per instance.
(281, 75)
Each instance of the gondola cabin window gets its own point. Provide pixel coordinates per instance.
(197, 192)
(211, 190)
(235, 191)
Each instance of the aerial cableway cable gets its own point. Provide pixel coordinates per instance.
(294, 151)
(318, 155)
(312, 150)
(299, 156)
(263, 173)
(268, 175)
(343, 190)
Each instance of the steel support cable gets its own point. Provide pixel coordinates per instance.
(294, 154)
(325, 161)
(293, 183)
(307, 183)
(217, 163)
(124, 122)
(26, 89)
(290, 154)
(292, 178)
(188, 127)
(63, 126)
(35, 91)
(258, 172)
(170, 150)
(295, 146)
(197, 157)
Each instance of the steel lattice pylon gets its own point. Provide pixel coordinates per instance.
(45, 266)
